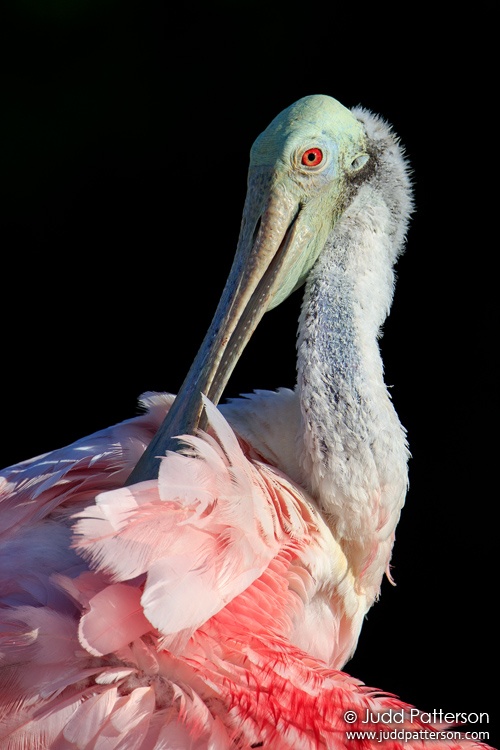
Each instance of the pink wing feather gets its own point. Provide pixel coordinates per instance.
(201, 611)
(201, 534)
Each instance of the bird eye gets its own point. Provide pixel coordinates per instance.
(312, 157)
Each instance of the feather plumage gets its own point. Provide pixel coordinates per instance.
(250, 663)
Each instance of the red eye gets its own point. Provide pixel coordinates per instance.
(312, 157)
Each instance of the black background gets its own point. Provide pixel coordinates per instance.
(125, 132)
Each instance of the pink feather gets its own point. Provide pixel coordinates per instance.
(185, 632)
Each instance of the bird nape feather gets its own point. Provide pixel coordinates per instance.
(196, 577)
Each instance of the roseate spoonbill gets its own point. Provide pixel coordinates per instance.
(209, 598)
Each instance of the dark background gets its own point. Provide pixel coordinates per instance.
(125, 132)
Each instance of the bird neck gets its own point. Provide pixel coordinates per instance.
(354, 454)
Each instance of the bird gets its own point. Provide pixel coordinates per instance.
(197, 576)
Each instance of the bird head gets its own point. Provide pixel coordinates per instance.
(300, 176)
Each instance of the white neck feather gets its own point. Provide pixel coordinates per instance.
(354, 454)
